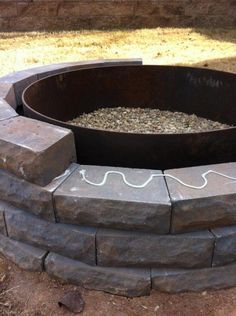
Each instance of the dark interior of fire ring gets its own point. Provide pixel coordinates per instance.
(206, 93)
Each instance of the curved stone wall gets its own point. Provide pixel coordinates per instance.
(66, 14)
(113, 238)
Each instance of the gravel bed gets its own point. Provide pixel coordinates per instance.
(145, 120)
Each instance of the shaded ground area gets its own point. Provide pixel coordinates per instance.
(35, 294)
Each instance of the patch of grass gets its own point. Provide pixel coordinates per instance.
(156, 46)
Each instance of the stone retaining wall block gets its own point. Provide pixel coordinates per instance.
(25, 256)
(114, 204)
(68, 240)
(120, 281)
(35, 151)
(127, 249)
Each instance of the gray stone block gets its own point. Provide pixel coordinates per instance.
(225, 246)
(7, 93)
(20, 80)
(6, 111)
(120, 248)
(120, 281)
(176, 281)
(115, 204)
(123, 62)
(210, 207)
(25, 256)
(35, 151)
(48, 70)
(33, 198)
(68, 240)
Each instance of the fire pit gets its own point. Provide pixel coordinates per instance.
(101, 225)
(206, 93)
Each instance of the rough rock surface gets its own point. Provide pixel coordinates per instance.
(120, 248)
(33, 198)
(68, 240)
(175, 281)
(7, 93)
(225, 245)
(6, 111)
(25, 256)
(35, 151)
(20, 80)
(114, 204)
(209, 207)
(121, 281)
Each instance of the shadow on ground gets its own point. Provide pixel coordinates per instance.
(223, 64)
(219, 34)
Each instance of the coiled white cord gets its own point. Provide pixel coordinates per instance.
(203, 176)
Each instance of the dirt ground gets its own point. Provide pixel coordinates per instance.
(35, 294)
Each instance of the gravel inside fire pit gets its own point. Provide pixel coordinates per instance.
(145, 120)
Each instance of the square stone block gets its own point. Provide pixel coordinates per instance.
(225, 245)
(212, 206)
(114, 204)
(7, 93)
(20, 80)
(130, 249)
(6, 111)
(35, 151)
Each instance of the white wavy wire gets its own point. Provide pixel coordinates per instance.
(203, 176)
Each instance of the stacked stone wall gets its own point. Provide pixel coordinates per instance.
(168, 236)
(65, 14)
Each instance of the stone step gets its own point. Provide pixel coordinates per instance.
(212, 206)
(35, 151)
(114, 204)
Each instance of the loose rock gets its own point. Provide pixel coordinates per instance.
(145, 120)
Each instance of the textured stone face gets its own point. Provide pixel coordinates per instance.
(206, 208)
(175, 281)
(35, 151)
(7, 93)
(119, 248)
(33, 198)
(25, 256)
(68, 14)
(121, 281)
(68, 240)
(20, 80)
(115, 204)
(6, 111)
(26, 195)
(225, 246)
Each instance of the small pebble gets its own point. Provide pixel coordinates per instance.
(145, 120)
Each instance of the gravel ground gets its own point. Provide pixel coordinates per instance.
(139, 120)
